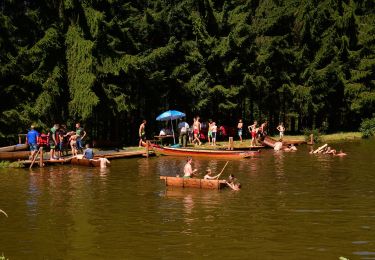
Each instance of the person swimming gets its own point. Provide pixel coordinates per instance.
(233, 183)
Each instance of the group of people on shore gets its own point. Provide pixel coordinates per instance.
(193, 134)
(57, 139)
(256, 131)
(190, 173)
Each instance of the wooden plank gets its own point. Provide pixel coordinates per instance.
(12, 148)
(14, 155)
(210, 184)
(192, 183)
(178, 182)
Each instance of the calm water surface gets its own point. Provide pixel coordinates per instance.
(291, 206)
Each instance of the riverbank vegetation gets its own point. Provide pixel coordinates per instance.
(7, 164)
(110, 64)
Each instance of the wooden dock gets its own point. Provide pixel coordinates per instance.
(123, 154)
(47, 161)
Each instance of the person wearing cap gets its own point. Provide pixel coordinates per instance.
(188, 171)
(32, 140)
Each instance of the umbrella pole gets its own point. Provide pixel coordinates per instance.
(174, 140)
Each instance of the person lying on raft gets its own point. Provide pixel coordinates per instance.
(233, 183)
(188, 170)
(209, 176)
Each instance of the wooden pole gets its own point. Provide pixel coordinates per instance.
(230, 146)
(147, 147)
(222, 169)
(41, 157)
(34, 157)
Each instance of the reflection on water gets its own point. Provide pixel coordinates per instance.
(292, 205)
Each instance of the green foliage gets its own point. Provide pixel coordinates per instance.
(367, 128)
(7, 164)
(315, 132)
(109, 63)
(4, 164)
(80, 63)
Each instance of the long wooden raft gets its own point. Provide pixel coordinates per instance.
(85, 162)
(12, 148)
(13, 156)
(194, 183)
(205, 153)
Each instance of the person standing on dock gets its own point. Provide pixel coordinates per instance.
(142, 133)
(281, 129)
(263, 130)
(214, 132)
(32, 140)
(196, 130)
(253, 131)
(184, 127)
(81, 133)
(239, 129)
(53, 141)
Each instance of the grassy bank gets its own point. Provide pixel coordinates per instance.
(7, 164)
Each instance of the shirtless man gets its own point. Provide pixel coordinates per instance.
(103, 162)
(214, 132)
(142, 133)
(196, 130)
(281, 129)
(263, 130)
(188, 170)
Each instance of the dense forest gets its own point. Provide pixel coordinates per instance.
(110, 63)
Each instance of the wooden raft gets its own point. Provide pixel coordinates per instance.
(194, 183)
(85, 162)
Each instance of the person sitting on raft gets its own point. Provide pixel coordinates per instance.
(209, 176)
(188, 171)
(233, 183)
(88, 153)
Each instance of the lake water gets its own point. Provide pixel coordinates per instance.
(291, 206)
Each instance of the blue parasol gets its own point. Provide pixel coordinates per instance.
(171, 115)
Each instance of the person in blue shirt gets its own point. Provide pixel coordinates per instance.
(88, 153)
(32, 140)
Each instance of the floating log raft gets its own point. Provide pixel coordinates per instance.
(14, 156)
(12, 148)
(194, 183)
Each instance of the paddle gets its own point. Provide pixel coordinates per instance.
(217, 177)
(2, 211)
